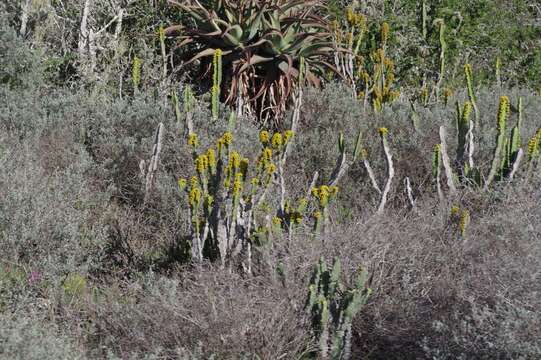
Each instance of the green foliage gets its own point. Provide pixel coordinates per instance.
(332, 308)
(261, 45)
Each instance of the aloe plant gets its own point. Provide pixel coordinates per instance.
(262, 44)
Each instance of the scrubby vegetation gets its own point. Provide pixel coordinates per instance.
(296, 180)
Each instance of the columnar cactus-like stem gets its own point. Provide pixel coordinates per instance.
(136, 73)
(498, 71)
(189, 105)
(465, 139)
(150, 172)
(216, 83)
(409, 192)
(468, 72)
(176, 106)
(446, 163)
(370, 172)
(390, 170)
(503, 113)
(516, 164)
(424, 19)
(161, 34)
(443, 47)
(436, 169)
(333, 308)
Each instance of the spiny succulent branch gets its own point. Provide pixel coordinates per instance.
(503, 113)
(468, 72)
(446, 162)
(390, 169)
(148, 171)
(436, 169)
(332, 308)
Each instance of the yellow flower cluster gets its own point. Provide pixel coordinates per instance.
(466, 112)
(534, 144)
(385, 30)
(227, 138)
(192, 140)
(503, 112)
(271, 168)
(201, 164)
(447, 94)
(211, 156)
(296, 217)
(355, 19)
(237, 184)
(288, 135)
(464, 221)
(324, 193)
(460, 217)
(383, 131)
(276, 221)
(277, 140)
(264, 137)
(234, 160)
(182, 183)
(194, 197)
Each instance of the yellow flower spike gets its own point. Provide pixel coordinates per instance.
(383, 131)
(447, 94)
(361, 95)
(316, 214)
(366, 77)
(389, 64)
(264, 137)
(467, 110)
(237, 185)
(192, 140)
(455, 209)
(385, 29)
(315, 192)
(324, 193)
(296, 217)
(288, 135)
(267, 154)
(182, 183)
(277, 140)
(227, 138)
(350, 38)
(276, 221)
(533, 145)
(503, 112)
(364, 154)
(195, 197)
(201, 163)
(194, 182)
(380, 55)
(234, 160)
(350, 16)
(211, 155)
(254, 181)
(271, 168)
